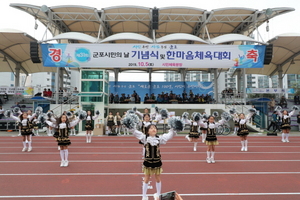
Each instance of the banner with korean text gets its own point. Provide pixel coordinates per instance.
(153, 56)
(143, 88)
(270, 90)
(16, 90)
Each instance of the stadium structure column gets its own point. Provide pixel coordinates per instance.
(216, 94)
(280, 77)
(183, 76)
(238, 81)
(117, 71)
(150, 80)
(61, 77)
(17, 75)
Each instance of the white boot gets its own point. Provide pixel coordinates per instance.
(243, 145)
(195, 146)
(188, 138)
(246, 145)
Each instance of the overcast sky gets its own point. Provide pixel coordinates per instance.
(16, 19)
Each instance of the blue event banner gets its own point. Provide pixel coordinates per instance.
(142, 88)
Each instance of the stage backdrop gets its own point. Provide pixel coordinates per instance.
(158, 87)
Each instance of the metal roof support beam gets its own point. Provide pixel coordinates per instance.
(116, 71)
(105, 26)
(183, 74)
(17, 75)
(150, 74)
(280, 77)
(290, 58)
(274, 71)
(250, 21)
(14, 61)
(216, 95)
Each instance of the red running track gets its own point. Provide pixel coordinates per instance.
(110, 168)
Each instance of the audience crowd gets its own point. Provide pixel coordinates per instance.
(162, 98)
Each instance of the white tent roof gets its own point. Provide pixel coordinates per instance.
(233, 38)
(15, 51)
(286, 53)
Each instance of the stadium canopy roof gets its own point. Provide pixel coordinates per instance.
(286, 56)
(14, 53)
(192, 25)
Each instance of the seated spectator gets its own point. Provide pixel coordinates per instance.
(146, 97)
(166, 98)
(132, 98)
(122, 98)
(111, 98)
(137, 98)
(153, 97)
(185, 99)
(160, 99)
(178, 97)
(116, 98)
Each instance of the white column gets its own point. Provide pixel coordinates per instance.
(216, 96)
(17, 73)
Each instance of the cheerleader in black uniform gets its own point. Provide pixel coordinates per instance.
(117, 121)
(89, 125)
(35, 126)
(243, 131)
(211, 138)
(286, 122)
(63, 126)
(26, 128)
(152, 164)
(110, 122)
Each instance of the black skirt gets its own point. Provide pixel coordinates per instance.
(89, 125)
(194, 134)
(110, 123)
(62, 137)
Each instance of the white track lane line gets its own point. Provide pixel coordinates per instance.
(130, 174)
(138, 195)
(139, 161)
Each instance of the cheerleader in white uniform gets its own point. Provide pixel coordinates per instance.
(211, 139)
(63, 126)
(71, 117)
(152, 164)
(117, 121)
(243, 131)
(286, 122)
(89, 125)
(125, 129)
(204, 128)
(26, 129)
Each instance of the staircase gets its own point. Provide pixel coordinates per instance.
(244, 109)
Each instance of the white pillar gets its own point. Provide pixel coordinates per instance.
(216, 96)
(116, 71)
(17, 78)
